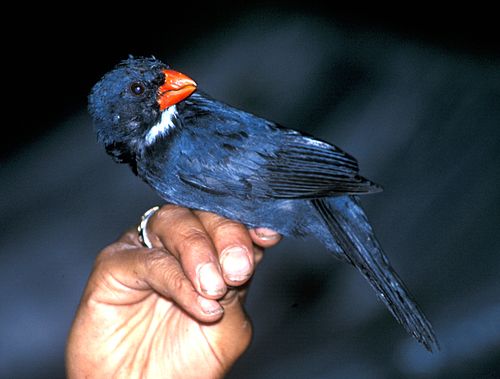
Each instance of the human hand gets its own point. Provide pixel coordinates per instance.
(174, 311)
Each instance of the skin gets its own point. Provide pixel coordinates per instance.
(174, 311)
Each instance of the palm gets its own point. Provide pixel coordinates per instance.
(138, 337)
(150, 321)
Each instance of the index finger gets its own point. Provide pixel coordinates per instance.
(179, 231)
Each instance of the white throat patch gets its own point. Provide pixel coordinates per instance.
(163, 127)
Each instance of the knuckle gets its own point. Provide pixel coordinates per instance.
(165, 214)
(171, 210)
(108, 260)
(109, 252)
(223, 225)
(157, 259)
(193, 239)
(159, 217)
(164, 211)
(175, 280)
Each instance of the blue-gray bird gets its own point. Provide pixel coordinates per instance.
(202, 154)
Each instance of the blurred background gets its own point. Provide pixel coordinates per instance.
(414, 95)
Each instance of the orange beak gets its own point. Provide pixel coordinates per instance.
(176, 88)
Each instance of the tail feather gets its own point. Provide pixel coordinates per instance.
(352, 231)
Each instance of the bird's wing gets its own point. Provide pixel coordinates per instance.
(304, 167)
(280, 163)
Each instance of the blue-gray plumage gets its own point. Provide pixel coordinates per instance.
(203, 154)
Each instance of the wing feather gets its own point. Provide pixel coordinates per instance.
(304, 167)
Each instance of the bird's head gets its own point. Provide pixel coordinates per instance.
(128, 103)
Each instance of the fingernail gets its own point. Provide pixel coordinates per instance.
(236, 264)
(210, 307)
(266, 234)
(210, 279)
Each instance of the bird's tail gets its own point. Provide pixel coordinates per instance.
(350, 227)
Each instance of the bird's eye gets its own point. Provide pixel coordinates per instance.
(137, 88)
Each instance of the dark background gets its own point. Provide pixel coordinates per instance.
(414, 95)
